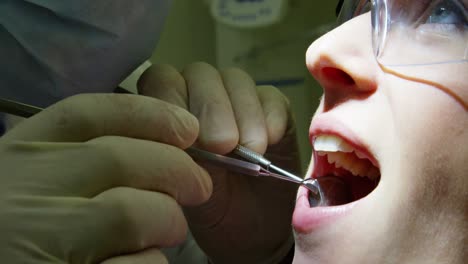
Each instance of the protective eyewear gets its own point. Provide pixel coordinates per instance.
(417, 39)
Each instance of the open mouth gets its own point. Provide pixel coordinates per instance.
(345, 173)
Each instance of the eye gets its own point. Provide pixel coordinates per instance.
(448, 12)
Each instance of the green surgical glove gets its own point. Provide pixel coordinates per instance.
(247, 219)
(98, 178)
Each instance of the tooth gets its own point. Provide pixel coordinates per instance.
(357, 168)
(332, 158)
(373, 173)
(350, 162)
(356, 164)
(359, 154)
(335, 158)
(331, 144)
(345, 147)
(342, 160)
(321, 153)
(363, 169)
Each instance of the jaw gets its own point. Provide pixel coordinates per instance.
(340, 238)
(322, 233)
(410, 213)
(418, 213)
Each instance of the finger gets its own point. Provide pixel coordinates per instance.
(154, 166)
(247, 109)
(166, 83)
(111, 161)
(83, 117)
(276, 110)
(210, 103)
(126, 220)
(149, 256)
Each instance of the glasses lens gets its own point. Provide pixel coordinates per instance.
(420, 32)
(421, 39)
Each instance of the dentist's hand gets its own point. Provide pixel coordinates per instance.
(98, 178)
(247, 219)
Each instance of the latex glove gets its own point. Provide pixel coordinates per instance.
(247, 219)
(98, 178)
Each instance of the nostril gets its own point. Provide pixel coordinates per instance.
(337, 76)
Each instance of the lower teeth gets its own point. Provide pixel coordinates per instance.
(334, 192)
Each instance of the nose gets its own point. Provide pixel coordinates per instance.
(343, 63)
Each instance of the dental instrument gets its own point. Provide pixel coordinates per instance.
(258, 166)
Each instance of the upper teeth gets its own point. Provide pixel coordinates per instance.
(331, 144)
(338, 152)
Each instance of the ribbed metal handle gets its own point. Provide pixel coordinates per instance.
(252, 156)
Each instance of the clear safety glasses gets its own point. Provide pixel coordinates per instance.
(418, 39)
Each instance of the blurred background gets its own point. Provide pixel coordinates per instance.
(266, 38)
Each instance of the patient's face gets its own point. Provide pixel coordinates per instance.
(402, 147)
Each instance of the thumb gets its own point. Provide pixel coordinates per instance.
(84, 117)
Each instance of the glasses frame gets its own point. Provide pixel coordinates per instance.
(348, 9)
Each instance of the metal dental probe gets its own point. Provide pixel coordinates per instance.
(258, 165)
(311, 184)
(254, 168)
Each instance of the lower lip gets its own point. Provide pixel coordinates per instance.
(307, 219)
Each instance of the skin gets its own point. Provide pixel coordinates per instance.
(418, 134)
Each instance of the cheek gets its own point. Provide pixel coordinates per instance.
(431, 132)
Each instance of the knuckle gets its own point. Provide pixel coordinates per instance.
(199, 64)
(87, 114)
(197, 68)
(159, 213)
(188, 172)
(126, 105)
(177, 231)
(69, 114)
(159, 77)
(162, 260)
(174, 221)
(236, 78)
(222, 144)
(113, 206)
(234, 71)
(272, 93)
(106, 153)
(267, 89)
(184, 126)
